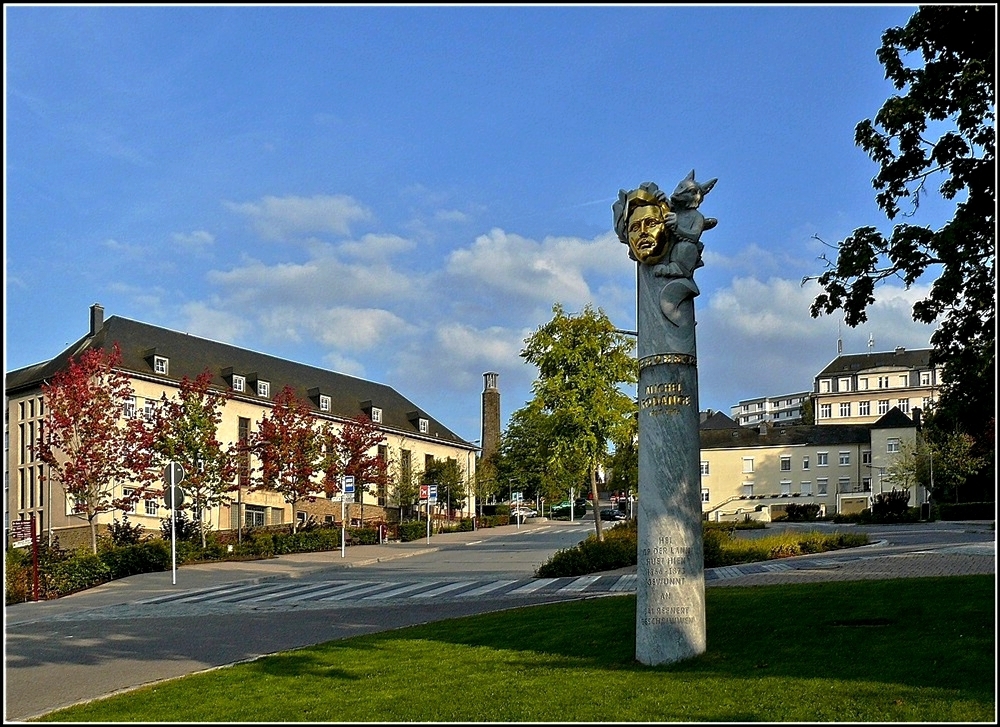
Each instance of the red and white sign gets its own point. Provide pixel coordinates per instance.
(21, 532)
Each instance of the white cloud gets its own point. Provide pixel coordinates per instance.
(196, 240)
(207, 320)
(281, 218)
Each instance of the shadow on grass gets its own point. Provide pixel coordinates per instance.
(922, 632)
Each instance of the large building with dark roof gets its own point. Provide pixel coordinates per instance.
(157, 359)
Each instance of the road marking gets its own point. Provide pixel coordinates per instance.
(402, 589)
(296, 590)
(476, 542)
(487, 588)
(443, 589)
(626, 583)
(329, 587)
(533, 586)
(579, 584)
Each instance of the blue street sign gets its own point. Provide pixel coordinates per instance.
(348, 484)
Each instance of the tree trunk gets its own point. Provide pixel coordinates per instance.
(295, 520)
(93, 531)
(596, 503)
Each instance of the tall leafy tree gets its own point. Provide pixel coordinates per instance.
(288, 447)
(582, 361)
(447, 476)
(91, 439)
(352, 449)
(940, 130)
(185, 431)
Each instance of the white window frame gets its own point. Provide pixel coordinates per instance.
(844, 385)
(864, 408)
(845, 459)
(925, 378)
(805, 463)
(844, 484)
(866, 456)
(786, 487)
(822, 459)
(126, 493)
(806, 488)
(748, 489)
(324, 402)
(822, 485)
(845, 408)
(149, 410)
(239, 383)
(152, 507)
(264, 388)
(376, 415)
(704, 468)
(129, 408)
(747, 465)
(161, 365)
(904, 405)
(423, 426)
(704, 495)
(825, 411)
(785, 463)
(883, 406)
(892, 445)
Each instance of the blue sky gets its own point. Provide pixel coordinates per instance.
(403, 193)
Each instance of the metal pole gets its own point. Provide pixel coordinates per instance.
(343, 527)
(428, 506)
(572, 506)
(173, 526)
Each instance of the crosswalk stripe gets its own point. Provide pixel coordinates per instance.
(625, 583)
(294, 590)
(533, 586)
(357, 592)
(329, 588)
(403, 589)
(443, 589)
(579, 584)
(487, 588)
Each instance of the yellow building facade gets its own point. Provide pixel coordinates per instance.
(156, 360)
(756, 472)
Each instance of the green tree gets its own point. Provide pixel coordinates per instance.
(953, 462)
(522, 459)
(949, 92)
(447, 475)
(624, 465)
(582, 363)
(185, 429)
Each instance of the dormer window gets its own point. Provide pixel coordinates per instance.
(263, 388)
(422, 425)
(324, 402)
(239, 383)
(376, 415)
(161, 365)
(420, 420)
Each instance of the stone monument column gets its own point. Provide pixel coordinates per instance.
(664, 238)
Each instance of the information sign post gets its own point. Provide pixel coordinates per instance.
(347, 489)
(173, 497)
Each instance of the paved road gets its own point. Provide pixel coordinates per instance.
(140, 629)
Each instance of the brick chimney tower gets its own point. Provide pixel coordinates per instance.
(491, 415)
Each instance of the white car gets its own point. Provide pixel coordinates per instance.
(524, 512)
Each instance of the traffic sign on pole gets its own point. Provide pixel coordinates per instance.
(348, 484)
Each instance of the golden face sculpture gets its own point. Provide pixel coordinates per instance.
(648, 237)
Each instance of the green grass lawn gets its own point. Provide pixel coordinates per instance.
(919, 649)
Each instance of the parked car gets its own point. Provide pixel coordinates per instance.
(524, 511)
(562, 509)
(613, 514)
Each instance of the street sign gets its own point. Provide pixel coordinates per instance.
(173, 497)
(433, 493)
(173, 474)
(424, 492)
(348, 484)
(20, 529)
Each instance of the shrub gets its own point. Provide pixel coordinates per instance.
(412, 530)
(131, 560)
(800, 513)
(185, 528)
(967, 511)
(82, 571)
(124, 533)
(361, 536)
(890, 506)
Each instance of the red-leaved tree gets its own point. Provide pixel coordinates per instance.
(288, 449)
(352, 449)
(185, 431)
(90, 441)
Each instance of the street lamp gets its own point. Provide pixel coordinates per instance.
(468, 475)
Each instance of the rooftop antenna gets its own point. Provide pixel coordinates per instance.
(871, 342)
(840, 341)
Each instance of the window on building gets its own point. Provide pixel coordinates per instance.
(149, 410)
(704, 495)
(786, 487)
(128, 408)
(925, 378)
(324, 403)
(883, 406)
(263, 388)
(806, 488)
(805, 463)
(704, 469)
(844, 385)
(825, 411)
(864, 408)
(423, 426)
(128, 492)
(866, 457)
(239, 383)
(405, 465)
(376, 415)
(845, 408)
(824, 386)
(822, 459)
(152, 508)
(278, 515)
(748, 489)
(161, 365)
(786, 464)
(866, 484)
(748, 464)
(892, 445)
(863, 384)
(821, 486)
(254, 515)
(883, 382)
(904, 405)
(845, 459)
(904, 380)
(844, 484)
